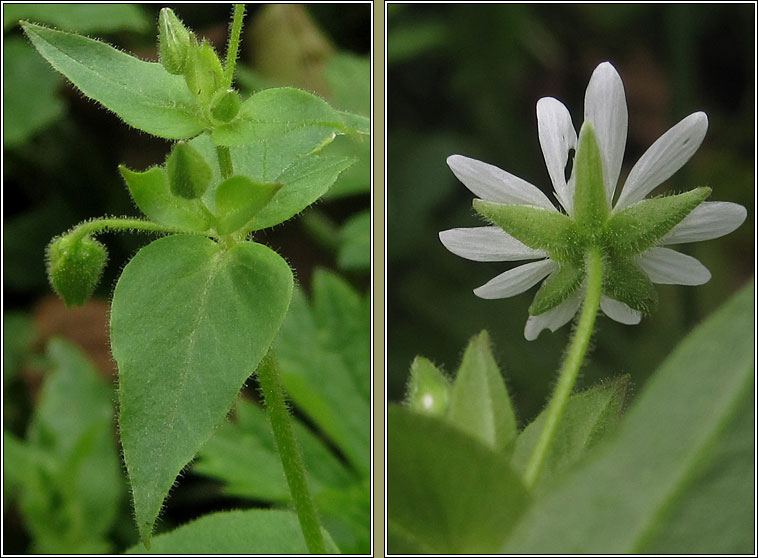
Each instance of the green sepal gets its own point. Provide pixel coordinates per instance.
(173, 42)
(538, 228)
(623, 280)
(204, 73)
(558, 286)
(238, 199)
(642, 225)
(74, 267)
(590, 205)
(428, 388)
(225, 105)
(188, 173)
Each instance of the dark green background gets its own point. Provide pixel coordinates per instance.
(465, 79)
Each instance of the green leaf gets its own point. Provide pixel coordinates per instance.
(588, 417)
(354, 251)
(238, 198)
(479, 402)
(153, 196)
(243, 455)
(590, 205)
(428, 388)
(236, 532)
(447, 493)
(323, 354)
(304, 179)
(284, 119)
(641, 225)
(538, 228)
(30, 100)
(665, 460)
(557, 287)
(189, 324)
(71, 438)
(623, 280)
(81, 18)
(142, 94)
(349, 80)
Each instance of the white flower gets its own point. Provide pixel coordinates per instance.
(605, 108)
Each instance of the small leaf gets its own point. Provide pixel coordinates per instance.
(188, 173)
(428, 388)
(538, 228)
(74, 267)
(665, 462)
(173, 42)
(238, 198)
(623, 280)
(236, 532)
(189, 324)
(640, 226)
(557, 287)
(152, 195)
(479, 401)
(447, 493)
(590, 205)
(143, 94)
(588, 417)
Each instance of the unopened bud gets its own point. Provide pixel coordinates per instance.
(428, 388)
(174, 41)
(188, 173)
(74, 267)
(204, 73)
(225, 105)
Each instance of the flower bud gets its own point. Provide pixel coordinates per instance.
(74, 267)
(225, 105)
(188, 173)
(204, 74)
(173, 42)
(428, 388)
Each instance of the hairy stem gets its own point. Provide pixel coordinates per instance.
(292, 461)
(571, 365)
(234, 44)
(224, 155)
(120, 224)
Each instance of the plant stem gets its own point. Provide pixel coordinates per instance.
(234, 43)
(116, 224)
(571, 365)
(292, 461)
(224, 155)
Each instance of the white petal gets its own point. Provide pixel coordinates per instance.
(517, 280)
(557, 137)
(669, 267)
(605, 108)
(708, 220)
(664, 158)
(555, 318)
(487, 244)
(493, 184)
(618, 311)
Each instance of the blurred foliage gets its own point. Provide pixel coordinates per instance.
(61, 154)
(465, 79)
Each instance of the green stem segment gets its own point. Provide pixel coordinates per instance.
(571, 365)
(234, 43)
(292, 461)
(120, 224)
(224, 155)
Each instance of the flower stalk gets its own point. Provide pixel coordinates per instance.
(571, 365)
